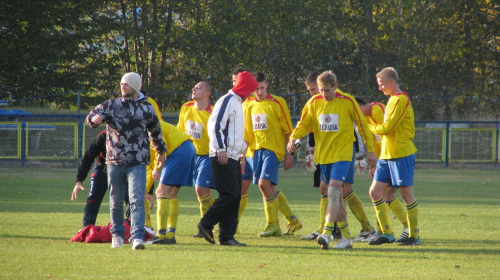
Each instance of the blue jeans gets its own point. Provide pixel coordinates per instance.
(131, 179)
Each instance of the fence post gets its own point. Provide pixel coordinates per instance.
(447, 153)
(23, 142)
(80, 138)
(496, 145)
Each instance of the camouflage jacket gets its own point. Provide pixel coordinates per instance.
(128, 122)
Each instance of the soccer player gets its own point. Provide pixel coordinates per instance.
(131, 122)
(367, 232)
(96, 153)
(330, 115)
(312, 87)
(396, 165)
(177, 172)
(227, 146)
(149, 199)
(267, 129)
(193, 120)
(374, 114)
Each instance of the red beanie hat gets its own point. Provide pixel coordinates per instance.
(245, 84)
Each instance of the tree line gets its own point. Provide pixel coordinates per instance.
(446, 51)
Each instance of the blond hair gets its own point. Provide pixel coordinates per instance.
(327, 78)
(388, 73)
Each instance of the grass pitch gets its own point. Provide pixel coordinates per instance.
(458, 218)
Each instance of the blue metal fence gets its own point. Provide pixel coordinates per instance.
(66, 137)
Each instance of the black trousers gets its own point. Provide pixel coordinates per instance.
(225, 209)
(98, 187)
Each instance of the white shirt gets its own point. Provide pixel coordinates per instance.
(226, 126)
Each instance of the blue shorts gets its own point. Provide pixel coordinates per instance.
(202, 176)
(248, 175)
(178, 169)
(396, 172)
(265, 166)
(350, 174)
(335, 171)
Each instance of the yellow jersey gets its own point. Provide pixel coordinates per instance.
(194, 123)
(266, 124)
(398, 129)
(173, 138)
(157, 109)
(332, 125)
(376, 118)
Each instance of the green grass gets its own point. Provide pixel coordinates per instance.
(459, 225)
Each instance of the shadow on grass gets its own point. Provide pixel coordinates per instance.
(388, 251)
(33, 237)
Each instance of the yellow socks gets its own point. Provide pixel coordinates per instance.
(322, 212)
(276, 212)
(344, 229)
(270, 211)
(162, 212)
(399, 210)
(243, 205)
(328, 229)
(172, 217)
(412, 210)
(147, 222)
(205, 202)
(382, 212)
(358, 210)
(284, 207)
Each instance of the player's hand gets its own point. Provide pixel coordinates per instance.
(160, 160)
(310, 164)
(372, 159)
(78, 187)
(156, 174)
(97, 119)
(291, 146)
(151, 199)
(288, 161)
(222, 157)
(371, 171)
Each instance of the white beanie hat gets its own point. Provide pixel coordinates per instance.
(133, 80)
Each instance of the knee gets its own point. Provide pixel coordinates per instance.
(407, 197)
(375, 192)
(333, 195)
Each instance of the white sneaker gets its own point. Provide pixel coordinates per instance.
(366, 236)
(344, 243)
(116, 241)
(404, 235)
(312, 236)
(373, 236)
(138, 244)
(323, 241)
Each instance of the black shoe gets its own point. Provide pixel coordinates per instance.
(165, 241)
(197, 235)
(410, 242)
(337, 234)
(382, 239)
(231, 242)
(207, 234)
